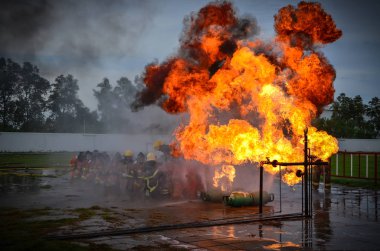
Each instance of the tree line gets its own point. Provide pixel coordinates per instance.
(30, 103)
(351, 118)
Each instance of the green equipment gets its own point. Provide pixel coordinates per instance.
(240, 198)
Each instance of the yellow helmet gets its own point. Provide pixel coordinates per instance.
(151, 156)
(128, 153)
(157, 144)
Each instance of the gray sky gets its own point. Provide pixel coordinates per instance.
(111, 38)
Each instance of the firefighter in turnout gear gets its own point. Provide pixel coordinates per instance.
(126, 171)
(164, 149)
(127, 162)
(150, 176)
(135, 183)
(157, 184)
(128, 157)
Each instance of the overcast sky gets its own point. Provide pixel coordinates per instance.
(108, 38)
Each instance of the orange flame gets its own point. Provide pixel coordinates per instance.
(247, 99)
(223, 177)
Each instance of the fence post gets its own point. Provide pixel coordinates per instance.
(375, 168)
(344, 164)
(351, 163)
(366, 166)
(337, 164)
(359, 165)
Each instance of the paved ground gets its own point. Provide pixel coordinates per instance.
(343, 218)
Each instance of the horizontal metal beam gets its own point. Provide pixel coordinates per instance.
(276, 163)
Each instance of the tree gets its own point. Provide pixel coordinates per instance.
(347, 119)
(125, 92)
(30, 99)
(67, 112)
(114, 104)
(87, 121)
(373, 113)
(106, 103)
(9, 77)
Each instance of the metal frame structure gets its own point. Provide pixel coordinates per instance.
(306, 174)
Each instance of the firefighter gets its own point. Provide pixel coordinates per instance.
(127, 161)
(134, 177)
(116, 165)
(157, 184)
(150, 175)
(140, 159)
(128, 157)
(164, 149)
(125, 170)
(112, 181)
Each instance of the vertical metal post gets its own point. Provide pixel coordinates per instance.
(366, 166)
(306, 233)
(337, 164)
(261, 190)
(280, 188)
(302, 193)
(306, 190)
(324, 171)
(310, 183)
(351, 164)
(375, 168)
(376, 209)
(359, 164)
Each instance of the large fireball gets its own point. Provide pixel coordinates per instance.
(248, 99)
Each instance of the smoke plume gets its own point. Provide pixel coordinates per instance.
(216, 22)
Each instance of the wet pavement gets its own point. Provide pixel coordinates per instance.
(343, 218)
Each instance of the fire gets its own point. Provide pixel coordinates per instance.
(224, 176)
(248, 99)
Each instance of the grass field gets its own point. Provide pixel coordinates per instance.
(359, 165)
(53, 159)
(363, 183)
(62, 159)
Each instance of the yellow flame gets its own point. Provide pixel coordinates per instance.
(224, 176)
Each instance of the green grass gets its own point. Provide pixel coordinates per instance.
(85, 213)
(62, 159)
(363, 183)
(53, 159)
(356, 168)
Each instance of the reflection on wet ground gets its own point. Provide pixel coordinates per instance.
(343, 218)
